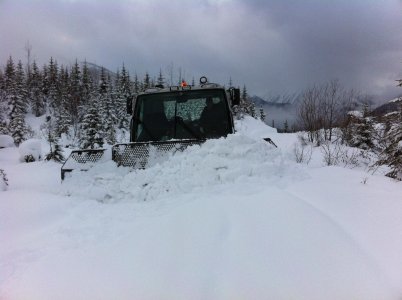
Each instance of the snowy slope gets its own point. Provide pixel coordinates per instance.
(233, 219)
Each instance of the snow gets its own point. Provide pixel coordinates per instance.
(234, 218)
(31, 147)
(399, 99)
(6, 141)
(355, 113)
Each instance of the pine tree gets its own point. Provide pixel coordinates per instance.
(21, 87)
(17, 126)
(62, 114)
(91, 128)
(75, 92)
(3, 105)
(9, 87)
(87, 85)
(246, 105)
(160, 80)
(362, 131)
(286, 126)
(123, 92)
(36, 95)
(53, 98)
(108, 119)
(15, 94)
(136, 85)
(49, 130)
(147, 82)
(392, 155)
(262, 114)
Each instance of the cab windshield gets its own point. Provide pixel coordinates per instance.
(181, 115)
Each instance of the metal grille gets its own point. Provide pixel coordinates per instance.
(137, 155)
(85, 156)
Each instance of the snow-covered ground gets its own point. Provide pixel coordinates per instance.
(233, 219)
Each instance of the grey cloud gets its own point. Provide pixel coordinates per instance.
(271, 46)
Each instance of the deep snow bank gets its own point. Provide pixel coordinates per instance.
(235, 160)
(233, 219)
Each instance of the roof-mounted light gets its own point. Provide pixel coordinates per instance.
(203, 80)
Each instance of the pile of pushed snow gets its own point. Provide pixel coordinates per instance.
(30, 150)
(216, 165)
(6, 141)
(254, 128)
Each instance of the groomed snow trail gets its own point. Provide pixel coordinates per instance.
(220, 221)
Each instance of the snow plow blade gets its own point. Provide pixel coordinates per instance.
(137, 155)
(81, 160)
(140, 154)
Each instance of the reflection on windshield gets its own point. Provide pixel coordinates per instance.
(181, 115)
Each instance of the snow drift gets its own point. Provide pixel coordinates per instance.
(234, 218)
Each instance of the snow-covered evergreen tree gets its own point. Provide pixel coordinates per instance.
(87, 85)
(9, 87)
(108, 119)
(362, 130)
(75, 92)
(3, 105)
(262, 114)
(286, 126)
(246, 106)
(21, 86)
(17, 126)
(49, 130)
(53, 96)
(91, 128)
(392, 155)
(147, 82)
(160, 81)
(61, 112)
(35, 89)
(123, 92)
(136, 85)
(63, 120)
(16, 103)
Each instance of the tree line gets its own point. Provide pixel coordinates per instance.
(327, 113)
(84, 102)
(74, 97)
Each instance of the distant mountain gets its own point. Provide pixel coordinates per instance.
(390, 106)
(95, 70)
(278, 109)
(260, 102)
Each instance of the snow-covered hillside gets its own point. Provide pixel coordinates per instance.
(233, 219)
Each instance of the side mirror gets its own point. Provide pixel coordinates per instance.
(129, 105)
(235, 95)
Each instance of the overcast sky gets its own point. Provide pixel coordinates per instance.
(272, 46)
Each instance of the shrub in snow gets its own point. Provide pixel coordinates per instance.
(56, 154)
(6, 141)
(3, 180)
(30, 150)
(302, 153)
